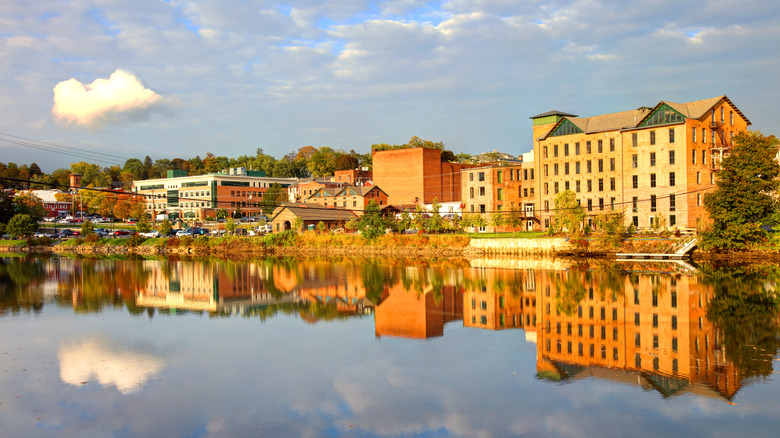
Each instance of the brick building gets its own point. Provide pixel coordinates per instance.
(654, 163)
(356, 177)
(310, 215)
(417, 175)
(501, 188)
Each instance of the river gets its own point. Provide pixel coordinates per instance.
(382, 348)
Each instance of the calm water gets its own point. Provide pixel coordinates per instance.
(488, 348)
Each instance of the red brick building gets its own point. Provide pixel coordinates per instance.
(417, 175)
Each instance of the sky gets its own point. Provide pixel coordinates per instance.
(175, 78)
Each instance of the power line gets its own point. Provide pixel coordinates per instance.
(63, 150)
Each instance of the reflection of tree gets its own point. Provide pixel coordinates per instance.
(20, 284)
(745, 307)
(570, 287)
(94, 284)
(375, 277)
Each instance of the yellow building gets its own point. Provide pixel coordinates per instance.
(655, 163)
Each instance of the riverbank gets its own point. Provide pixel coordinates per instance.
(312, 244)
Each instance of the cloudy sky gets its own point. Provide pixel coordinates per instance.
(177, 78)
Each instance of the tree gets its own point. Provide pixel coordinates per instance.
(321, 226)
(21, 225)
(371, 224)
(497, 219)
(87, 228)
(297, 224)
(230, 225)
(514, 219)
(568, 213)
(611, 229)
(435, 222)
(743, 200)
(405, 222)
(165, 227)
(221, 213)
(143, 225)
(29, 204)
(272, 198)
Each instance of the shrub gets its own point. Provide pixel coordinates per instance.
(135, 240)
(91, 238)
(173, 242)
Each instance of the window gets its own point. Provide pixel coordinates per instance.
(633, 139)
(652, 203)
(611, 164)
(601, 165)
(500, 176)
(500, 194)
(693, 135)
(612, 203)
(672, 203)
(577, 186)
(555, 150)
(722, 118)
(672, 220)
(693, 156)
(698, 199)
(590, 205)
(671, 135)
(555, 169)
(635, 221)
(590, 186)
(704, 135)
(482, 191)
(612, 145)
(481, 208)
(652, 180)
(566, 149)
(635, 181)
(471, 192)
(565, 168)
(612, 184)
(704, 156)
(601, 206)
(731, 117)
(588, 166)
(601, 184)
(652, 138)
(601, 146)
(577, 148)
(544, 149)
(698, 177)
(546, 191)
(555, 185)
(652, 158)
(587, 147)
(566, 185)
(671, 157)
(671, 179)
(634, 161)
(481, 176)
(712, 178)
(544, 170)
(635, 204)
(577, 167)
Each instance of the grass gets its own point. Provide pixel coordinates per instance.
(13, 242)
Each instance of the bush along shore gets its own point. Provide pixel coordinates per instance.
(311, 243)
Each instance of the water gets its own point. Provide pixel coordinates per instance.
(281, 348)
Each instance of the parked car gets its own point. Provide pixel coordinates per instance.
(264, 229)
(153, 233)
(199, 231)
(123, 233)
(182, 233)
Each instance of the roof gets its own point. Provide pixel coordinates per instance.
(552, 113)
(46, 195)
(633, 118)
(315, 212)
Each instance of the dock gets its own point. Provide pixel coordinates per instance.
(683, 252)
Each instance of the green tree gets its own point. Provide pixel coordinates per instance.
(21, 225)
(743, 200)
(435, 222)
(371, 224)
(87, 228)
(321, 226)
(221, 213)
(272, 198)
(497, 219)
(230, 225)
(611, 229)
(29, 204)
(297, 224)
(514, 219)
(568, 213)
(143, 225)
(165, 227)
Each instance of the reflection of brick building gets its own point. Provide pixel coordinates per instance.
(417, 175)
(418, 312)
(648, 324)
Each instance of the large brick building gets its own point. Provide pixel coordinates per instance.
(655, 163)
(417, 175)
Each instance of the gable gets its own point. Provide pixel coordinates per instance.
(663, 114)
(565, 127)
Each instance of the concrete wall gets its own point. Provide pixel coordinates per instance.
(520, 246)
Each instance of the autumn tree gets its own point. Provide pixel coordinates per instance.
(568, 212)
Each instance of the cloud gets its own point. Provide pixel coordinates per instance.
(119, 98)
(108, 363)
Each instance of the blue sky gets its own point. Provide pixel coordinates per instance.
(228, 78)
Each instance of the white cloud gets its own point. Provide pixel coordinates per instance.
(120, 97)
(111, 366)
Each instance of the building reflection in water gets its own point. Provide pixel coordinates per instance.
(639, 324)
